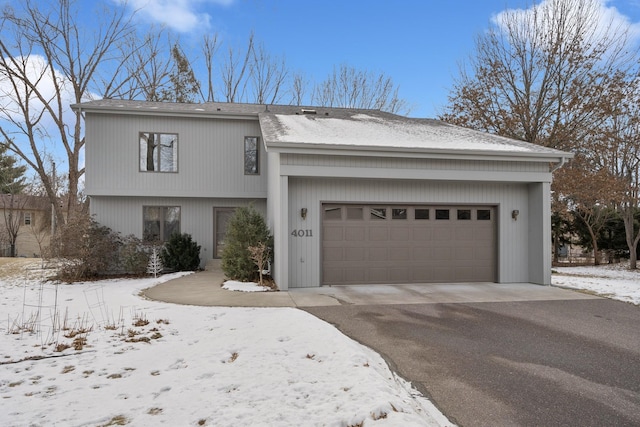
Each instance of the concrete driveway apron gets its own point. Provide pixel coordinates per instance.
(570, 360)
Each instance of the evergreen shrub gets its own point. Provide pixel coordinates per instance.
(181, 253)
(246, 228)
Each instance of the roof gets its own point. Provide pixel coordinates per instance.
(175, 108)
(24, 202)
(378, 130)
(288, 127)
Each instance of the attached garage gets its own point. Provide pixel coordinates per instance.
(394, 244)
(366, 197)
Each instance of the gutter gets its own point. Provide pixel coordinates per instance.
(562, 162)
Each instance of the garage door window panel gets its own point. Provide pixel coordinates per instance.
(355, 213)
(464, 214)
(332, 213)
(400, 213)
(442, 214)
(483, 214)
(378, 214)
(421, 214)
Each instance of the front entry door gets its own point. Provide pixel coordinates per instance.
(221, 218)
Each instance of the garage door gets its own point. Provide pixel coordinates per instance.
(407, 244)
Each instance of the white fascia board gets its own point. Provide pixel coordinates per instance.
(412, 174)
(373, 151)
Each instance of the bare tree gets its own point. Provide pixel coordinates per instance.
(268, 75)
(590, 195)
(147, 67)
(234, 73)
(209, 48)
(558, 75)
(615, 148)
(12, 210)
(183, 85)
(538, 75)
(349, 87)
(48, 61)
(298, 88)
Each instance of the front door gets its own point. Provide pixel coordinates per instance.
(221, 218)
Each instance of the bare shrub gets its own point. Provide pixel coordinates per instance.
(85, 248)
(133, 255)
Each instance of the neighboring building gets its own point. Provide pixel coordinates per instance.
(352, 196)
(28, 219)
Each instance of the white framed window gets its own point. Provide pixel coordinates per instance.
(158, 152)
(28, 218)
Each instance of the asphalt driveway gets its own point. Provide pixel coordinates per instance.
(513, 363)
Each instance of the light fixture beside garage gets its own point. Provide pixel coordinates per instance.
(303, 213)
(514, 214)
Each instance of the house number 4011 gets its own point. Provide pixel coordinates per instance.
(301, 233)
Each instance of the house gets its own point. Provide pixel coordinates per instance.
(25, 222)
(351, 196)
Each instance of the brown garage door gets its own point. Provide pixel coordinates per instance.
(407, 244)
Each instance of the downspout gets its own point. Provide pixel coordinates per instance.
(562, 162)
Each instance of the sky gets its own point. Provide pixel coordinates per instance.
(418, 43)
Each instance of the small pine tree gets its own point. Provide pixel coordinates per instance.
(181, 253)
(155, 263)
(246, 228)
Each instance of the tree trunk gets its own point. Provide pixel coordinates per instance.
(150, 147)
(631, 237)
(594, 242)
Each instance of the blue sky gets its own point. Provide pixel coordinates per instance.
(419, 43)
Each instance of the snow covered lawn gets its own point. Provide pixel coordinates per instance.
(138, 362)
(614, 281)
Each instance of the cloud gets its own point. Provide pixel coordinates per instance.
(607, 17)
(12, 98)
(180, 15)
(36, 70)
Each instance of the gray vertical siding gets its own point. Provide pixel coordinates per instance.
(124, 214)
(540, 233)
(305, 252)
(210, 157)
(413, 163)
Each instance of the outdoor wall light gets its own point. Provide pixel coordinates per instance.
(303, 213)
(514, 214)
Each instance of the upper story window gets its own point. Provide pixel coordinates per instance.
(251, 155)
(158, 152)
(28, 218)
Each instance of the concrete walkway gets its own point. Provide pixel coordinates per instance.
(204, 288)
